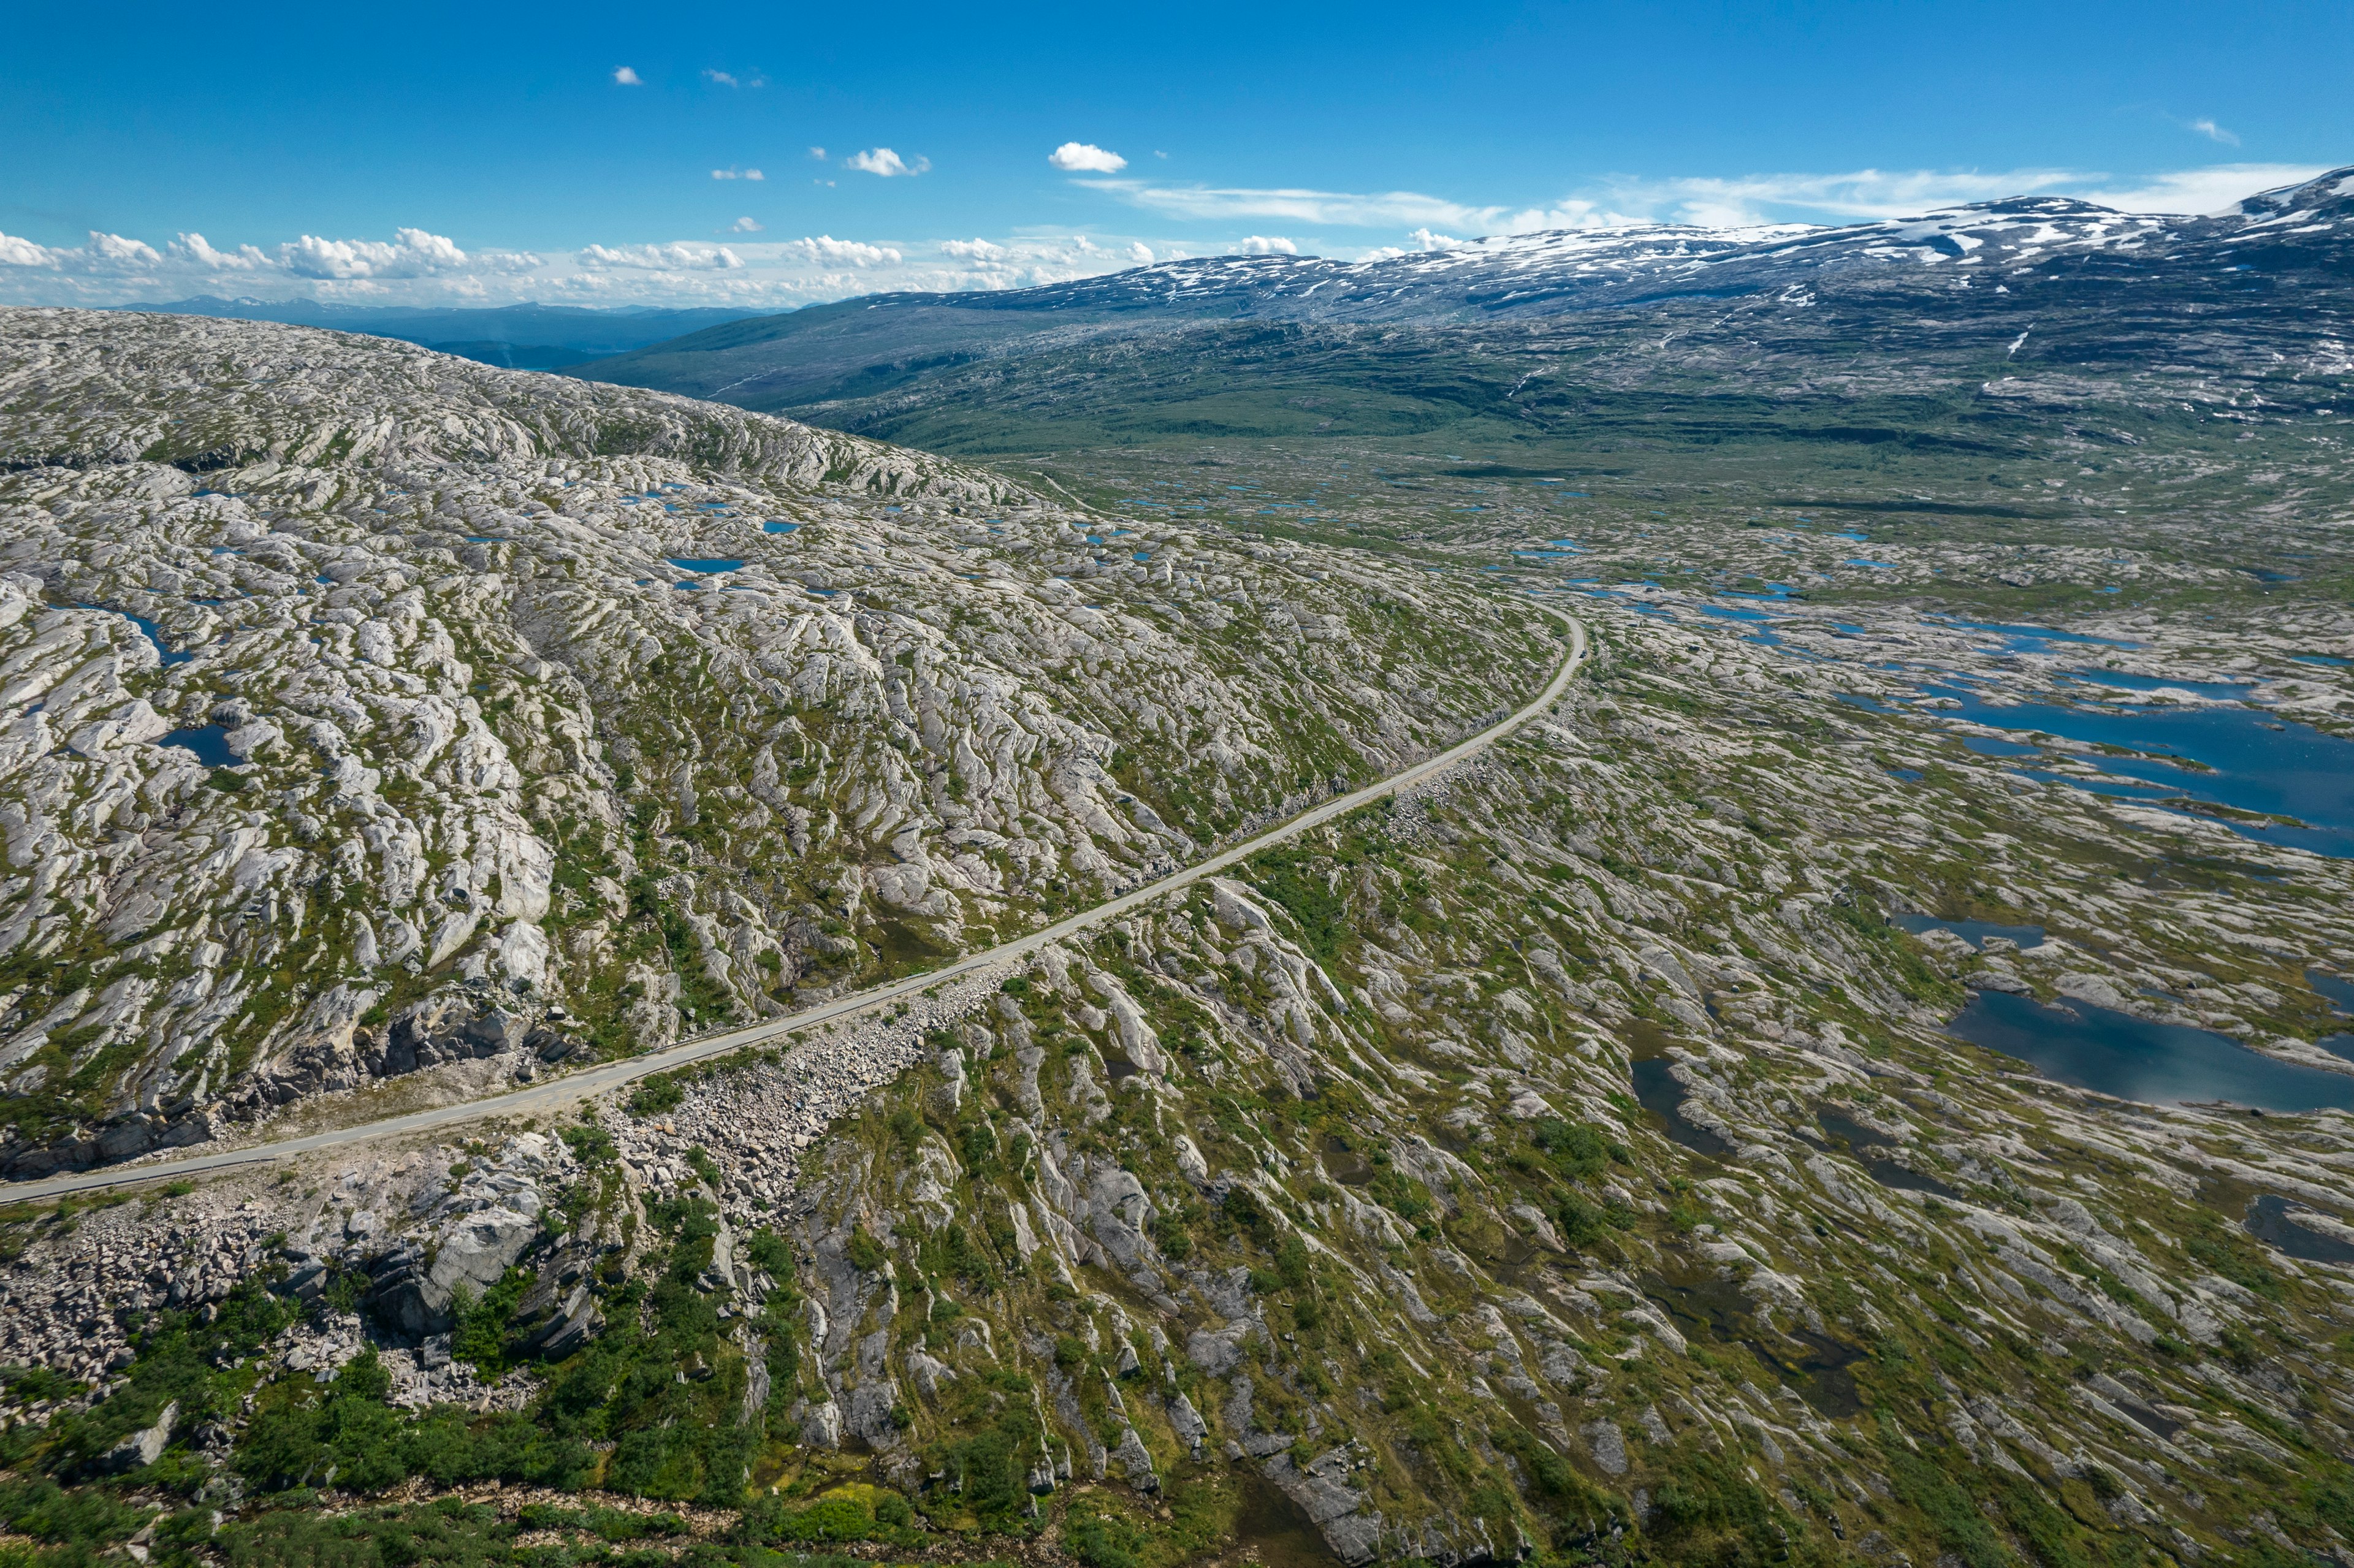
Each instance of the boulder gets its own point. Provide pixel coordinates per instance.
(141, 1447)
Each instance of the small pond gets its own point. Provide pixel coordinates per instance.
(2271, 1220)
(1974, 932)
(1660, 1094)
(2134, 1059)
(209, 742)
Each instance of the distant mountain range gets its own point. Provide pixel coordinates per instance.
(519, 337)
(2028, 257)
(1547, 336)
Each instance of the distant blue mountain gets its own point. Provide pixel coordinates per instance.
(522, 337)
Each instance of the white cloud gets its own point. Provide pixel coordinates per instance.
(132, 252)
(624, 77)
(752, 272)
(737, 175)
(883, 162)
(2219, 190)
(1716, 202)
(417, 268)
(413, 253)
(673, 257)
(1268, 245)
(2212, 132)
(15, 252)
(1324, 208)
(844, 252)
(196, 248)
(819, 154)
(1078, 157)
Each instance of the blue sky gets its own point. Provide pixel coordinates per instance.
(440, 153)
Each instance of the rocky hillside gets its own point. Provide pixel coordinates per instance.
(371, 710)
(1566, 1162)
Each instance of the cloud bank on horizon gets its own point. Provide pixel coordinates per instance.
(416, 267)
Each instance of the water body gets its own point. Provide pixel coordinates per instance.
(2134, 1059)
(779, 527)
(209, 742)
(1974, 932)
(2038, 639)
(2268, 1220)
(1724, 613)
(2258, 763)
(1664, 1098)
(2222, 691)
(712, 563)
(2322, 659)
(150, 631)
(2335, 989)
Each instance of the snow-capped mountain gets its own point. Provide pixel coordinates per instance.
(2058, 255)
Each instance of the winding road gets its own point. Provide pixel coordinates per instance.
(540, 1099)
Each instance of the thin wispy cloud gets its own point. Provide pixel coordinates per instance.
(624, 77)
(2212, 132)
(1390, 209)
(737, 175)
(2219, 190)
(1082, 157)
(883, 162)
(1712, 201)
(744, 226)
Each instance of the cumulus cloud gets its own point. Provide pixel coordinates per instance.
(413, 253)
(1268, 245)
(883, 162)
(624, 77)
(825, 247)
(1082, 157)
(672, 258)
(15, 252)
(732, 173)
(417, 268)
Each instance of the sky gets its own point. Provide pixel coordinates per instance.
(776, 155)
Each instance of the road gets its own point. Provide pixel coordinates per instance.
(541, 1099)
